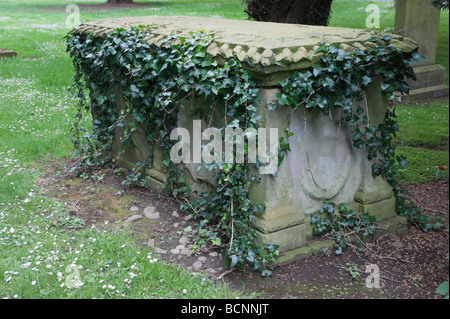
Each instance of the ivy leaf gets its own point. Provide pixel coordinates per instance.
(387, 37)
(377, 169)
(385, 87)
(366, 80)
(282, 98)
(266, 273)
(315, 219)
(401, 160)
(328, 207)
(443, 289)
(316, 71)
(417, 57)
(234, 260)
(272, 106)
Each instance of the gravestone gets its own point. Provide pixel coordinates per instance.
(5, 53)
(322, 166)
(419, 20)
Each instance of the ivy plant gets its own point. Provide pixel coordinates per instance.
(343, 225)
(152, 83)
(340, 80)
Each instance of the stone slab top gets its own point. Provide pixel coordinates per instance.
(270, 50)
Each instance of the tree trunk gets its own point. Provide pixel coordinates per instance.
(313, 12)
(119, 1)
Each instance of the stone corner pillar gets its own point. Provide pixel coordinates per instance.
(419, 20)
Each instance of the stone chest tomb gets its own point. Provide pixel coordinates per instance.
(322, 166)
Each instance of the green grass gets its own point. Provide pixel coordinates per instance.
(36, 116)
(423, 139)
(356, 18)
(35, 126)
(39, 256)
(352, 14)
(421, 166)
(424, 126)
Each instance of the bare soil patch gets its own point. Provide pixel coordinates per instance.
(411, 266)
(107, 202)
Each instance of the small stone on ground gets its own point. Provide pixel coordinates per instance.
(134, 208)
(150, 212)
(184, 240)
(197, 266)
(397, 244)
(186, 251)
(133, 219)
(160, 251)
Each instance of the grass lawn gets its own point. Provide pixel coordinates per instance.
(38, 249)
(356, 18)
(423, 139)
(37, 246)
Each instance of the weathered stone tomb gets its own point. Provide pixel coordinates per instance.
(323, 165)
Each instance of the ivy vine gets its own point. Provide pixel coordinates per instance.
(344, 225)
(152, 83)
(342, 79)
